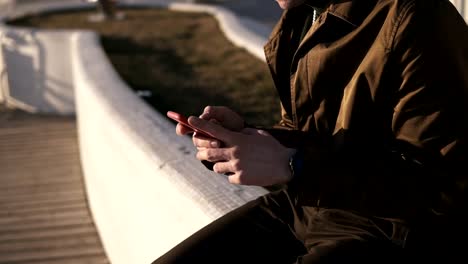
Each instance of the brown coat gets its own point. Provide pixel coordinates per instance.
(376, 96)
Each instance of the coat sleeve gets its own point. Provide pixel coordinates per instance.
(285, 121)
(430, 117)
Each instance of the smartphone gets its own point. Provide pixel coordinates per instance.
(184, 121)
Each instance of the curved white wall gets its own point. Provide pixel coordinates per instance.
(35, 73)
(146, 190)
(462, 7)
(242, 31)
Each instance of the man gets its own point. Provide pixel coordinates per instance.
(371, 150)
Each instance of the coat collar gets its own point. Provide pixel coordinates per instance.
(348, 13)
(353, 12)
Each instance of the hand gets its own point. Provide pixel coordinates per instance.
(217, 114)
(223, 116)
(248, 157)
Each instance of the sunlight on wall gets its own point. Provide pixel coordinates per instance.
(462, 7)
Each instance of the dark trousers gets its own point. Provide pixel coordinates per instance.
(271, 229)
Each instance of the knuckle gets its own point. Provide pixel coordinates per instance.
(235, 152)
(234, 179)
(201, 155)
(208, 109)
(200, 143)
(216, 168)
(208, 154)
(241, 178)
(236, 165)
(204, 154)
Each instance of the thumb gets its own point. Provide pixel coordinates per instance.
(213, 129)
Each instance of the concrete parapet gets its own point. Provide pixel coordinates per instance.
(146, 190)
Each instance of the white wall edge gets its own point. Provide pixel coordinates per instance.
(462, 7)
(241, 31)
(146, 190)
(237, 29)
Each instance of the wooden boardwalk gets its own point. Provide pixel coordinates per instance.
(44, 215)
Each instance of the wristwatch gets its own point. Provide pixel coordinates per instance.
(296, 162)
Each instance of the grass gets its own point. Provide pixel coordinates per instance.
(184, 59)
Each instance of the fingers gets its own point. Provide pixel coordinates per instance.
(213, 154)
(223, 164)
(183, 130)
(201, 141)
(233, 172)
(217, 131)
(230, 169)
(224, 116)
(215, 112)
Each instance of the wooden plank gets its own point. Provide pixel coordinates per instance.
(44, 215)
(22, 245)
(55, 219)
